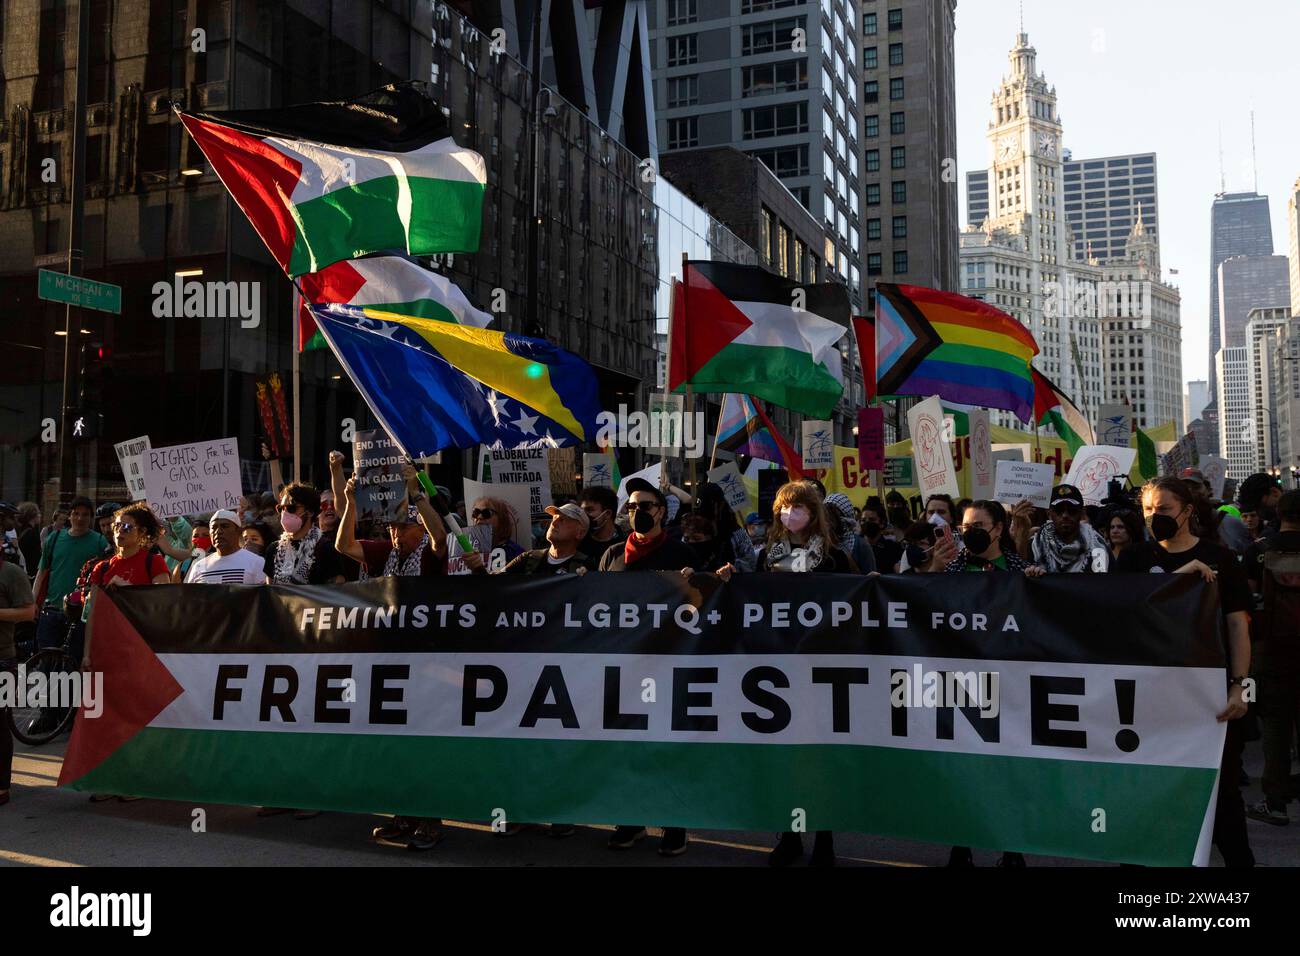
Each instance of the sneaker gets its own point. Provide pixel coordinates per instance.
(561, 830)
(673, 842)
(397, 830)
(1012, 861)
(960, 856)
(625, 836)
(823, 853)
(788, 850)
(425, 837)
(1265, 814)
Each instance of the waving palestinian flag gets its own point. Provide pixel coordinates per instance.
(323, 182)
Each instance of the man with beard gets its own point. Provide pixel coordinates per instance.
(1066, 543)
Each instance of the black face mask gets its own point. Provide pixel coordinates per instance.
(1163, 527)
(977, 540)
(643, 522)
(871, 528)
(917, 555)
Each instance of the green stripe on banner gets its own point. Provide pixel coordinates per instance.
(981, 357)
(1033, 805)
(420, 309)
(443, 216)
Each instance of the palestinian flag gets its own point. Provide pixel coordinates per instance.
(1052, 407)
(389, 284)
(743, 329)
(323, 182)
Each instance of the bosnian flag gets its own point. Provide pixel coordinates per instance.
(743, 329)
(322, 182)
(388, 284)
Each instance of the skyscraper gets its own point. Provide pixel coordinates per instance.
(1239, 226)
(1195, 398)
(778, 80)
(1245, 283)
(977, 197)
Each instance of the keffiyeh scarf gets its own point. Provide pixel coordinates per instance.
(293, 566)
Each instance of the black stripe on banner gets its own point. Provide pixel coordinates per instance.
(740, 283)
(1133, 619)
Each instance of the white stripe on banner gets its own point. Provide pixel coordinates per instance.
(1046, 710)
(326, 168)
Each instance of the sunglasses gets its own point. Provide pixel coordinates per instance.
(123, 526)
(1066, 509)
(293, 507)
(482, 513)
(642, 505)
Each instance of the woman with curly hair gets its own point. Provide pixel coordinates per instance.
(135, 528)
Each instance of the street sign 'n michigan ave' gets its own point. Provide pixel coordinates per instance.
(74, 290)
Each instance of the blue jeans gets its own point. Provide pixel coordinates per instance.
(51, 627)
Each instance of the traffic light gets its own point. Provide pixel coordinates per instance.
(92, 376)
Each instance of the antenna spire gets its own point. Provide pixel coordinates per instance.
(1254, 162)
(1223, 183)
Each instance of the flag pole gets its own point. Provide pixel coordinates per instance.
(717, 431)
(690, 395)
(297, 386)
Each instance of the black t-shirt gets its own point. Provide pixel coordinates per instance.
(539, 562)
(672, 555)
(328, 564)
(595, 550)
(1234, 591)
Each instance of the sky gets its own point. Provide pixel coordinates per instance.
(1158, 76)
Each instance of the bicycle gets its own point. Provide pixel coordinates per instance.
(36, 724)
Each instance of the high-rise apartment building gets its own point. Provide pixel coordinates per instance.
(910, 212)
(1265, 329)
(1245, 283)
(1239, 226)
(1293, 244)
(778, 79)
(977, 197)
(1237, 432)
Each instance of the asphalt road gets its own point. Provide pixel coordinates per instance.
(45, 826)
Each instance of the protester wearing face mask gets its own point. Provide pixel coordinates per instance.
(802, 541)
(732, 549)
(987, 544)
(254, 536)
(1123, 531)
(1169, 508)
(844, 525)
(942, 506)
(1066, 543)
(200, 545)
(928, 550)
(303, 554)
(648, 548)
(600, 504)
(885, 549)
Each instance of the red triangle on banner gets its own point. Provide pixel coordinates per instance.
(136, 689)
(704, 323)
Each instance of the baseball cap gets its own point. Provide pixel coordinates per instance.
(232, 516)
(640, 484)
(570, 510)
(7, 508)
(753, 517)
(1067, 495)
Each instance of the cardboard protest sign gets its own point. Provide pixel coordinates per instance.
(130, 457)
(818, 444)
(377, 466)
(727, 477)
(515, 497)
(1093, 468)
(1017, 480)
(934, 469)
(871, 439)
(981, 454)
(1215, 470)
(193, 479)
(523, 466)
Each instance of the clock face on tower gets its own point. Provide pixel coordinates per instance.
(1046, 144)
(1008, 146)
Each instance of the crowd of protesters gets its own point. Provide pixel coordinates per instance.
(302, 535)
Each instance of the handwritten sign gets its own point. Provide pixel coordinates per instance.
(193, 479)
(981, 454)
(1215, 470)
(377, 464)
(1017, 480)
(130, 457)
(1093, 468)
(934, 469)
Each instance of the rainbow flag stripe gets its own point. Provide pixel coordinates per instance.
(965, 351)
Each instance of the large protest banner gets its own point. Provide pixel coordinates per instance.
(689, 703)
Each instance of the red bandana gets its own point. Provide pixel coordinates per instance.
(635, 550)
